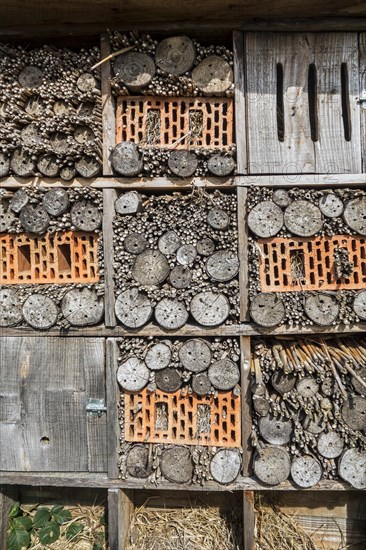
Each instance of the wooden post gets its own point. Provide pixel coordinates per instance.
(8, 496)
(240, 112)
(120, 508)
(109, 198)
(112, 411)
(248, 520)
(108, 107)
(246, 422)
(242, 193)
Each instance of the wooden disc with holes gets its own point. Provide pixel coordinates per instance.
(138, 463)
(61, 108)
(133, 374)
(30, 77)
(86, 82)
(61, 143)
(186, 254)
(85, 215)
(276, 431)
(150, 268)
(82, 307)
(48, 166)
(88, 167)
(354, 412)
(158, 357)
(195, 355)
(222, 265)
(312, 427)
(272, 465)
(224, 374)
(128, 203)
(126, 159)
(306, 471)
(307, 387)
(135, 243)
(7, 217)
(176, 464)
(303, 218)
(40, 312)
(22, 163)
(221, 165)
(355, 215)
(171, 314)
(260, 405)
(267, 310)
(180, 277)
(281, 197)
(4, 165)
(169, 243)
(218, 219)
(31, 135)
(213, 76)
(356, 384)
(19, 200)
(34, 106)
(283, 383)
(210, 309)
(182, 163)
(134, 69)
(330, 444)
(359, 304)
(34, 218)
(201, 383)
(168, 380)
(10, 308)
(85, 109)
(175, 55)
(225, 466)
(67, 173)
(205, 247)
(322, 309)
(56, 201)
(133, 308)
(83, 135)
(265, 219)
(331, 205)
(352, 468)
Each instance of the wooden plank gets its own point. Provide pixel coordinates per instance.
(248, 520)
(109, 197)
(120, 508)
(108, 106)
(240, 113)
(126, 510)
(362, 71)
(112, 410)
(243, 234)
(8, 496)
(246, 413)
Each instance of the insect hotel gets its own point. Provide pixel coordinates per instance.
(183, 276)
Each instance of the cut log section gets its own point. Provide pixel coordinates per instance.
(205, 246)
(83, 135)
(307, 387)
(86, 216)
(218, 219)
(180, 277)
(169, 243)
(138, 462)
(67, 173)
(22, 163)
(35, 106)
(175, 55)
(322, 309)
(330, 444)
(133, 308)
(56, 201)
(186, 255)
(10, 308)
(354, 412)
(225, 466)
(133, 374)
(221, 165)
(260, 405)
(7, 217)
(312, 427)
(272, 465)
(195, 355)
(82, 307)
(30, 77)
(86, 82)
(223, 265)
(40, 312)
(48, 166)
(356, 384)
(87, 167)
(182, 163)
(281, 197)
(306, 471)
(126, 159)
(128, 203)
(213, 76)
(151, 268)
(276, 431)
(135, 243)
(171, 314)
(4, 165)
(176, 464)
(359, 304)
(210, 309)
(135, 69)
(224, 374)
(61, 143)
(354, 215)
(201, 384)
(158, 357)
(267, 310)
(61, 108)
(352, 468)
(19, 200)
(34, 219)
(31, 135)
(168, 380)
(265, 219)
(283, 383)
(303, 218)
(330, 205)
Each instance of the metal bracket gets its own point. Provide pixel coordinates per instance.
(95, 407)
(362, 100)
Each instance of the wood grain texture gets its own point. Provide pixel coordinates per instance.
(120, 508)
(362, 68)
(109, 198)
(246, 412)
(112, 411)
(240, 111)
(243, 233)
(108, 107)
(248, 520)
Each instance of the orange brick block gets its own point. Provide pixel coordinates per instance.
(161, 122)
(308, 263)
(182, 418)
(64, 257)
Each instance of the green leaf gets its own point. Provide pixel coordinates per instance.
(14, 510)
(97, 546)
(22, 523)
(102, 520)
(49, 533)
(18, 540)
(62, 517)
(41, 517)
(56, 509)
(73, 530)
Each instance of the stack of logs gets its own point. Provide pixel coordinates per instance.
(176, 256)
(179, 410)
(50, 112)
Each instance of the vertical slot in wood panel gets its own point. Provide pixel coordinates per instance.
(279, 103)
(313, 101)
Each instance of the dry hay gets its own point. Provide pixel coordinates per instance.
(202, 528)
